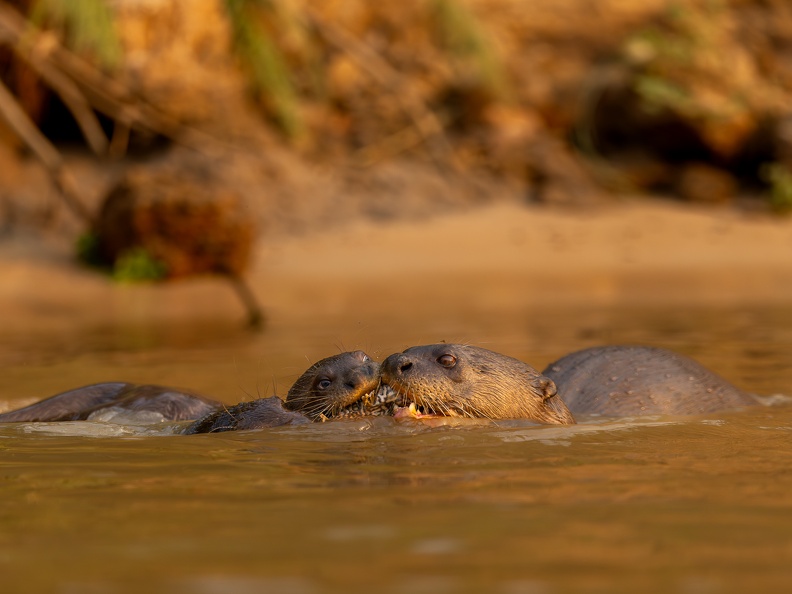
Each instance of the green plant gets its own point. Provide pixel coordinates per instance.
(136, 264)
(87, 27)
(87, 248)
(268, 69)
(461, 34)
(659, 93)
(779, 177)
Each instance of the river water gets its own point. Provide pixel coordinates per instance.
(688, 505)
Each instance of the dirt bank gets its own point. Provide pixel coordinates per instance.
(489, 257)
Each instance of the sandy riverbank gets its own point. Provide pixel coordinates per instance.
(487, 257)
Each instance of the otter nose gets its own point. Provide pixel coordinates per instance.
(397, 364)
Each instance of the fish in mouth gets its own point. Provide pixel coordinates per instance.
(385, 401)
(398, 402)
(441, 380)
(456, 380)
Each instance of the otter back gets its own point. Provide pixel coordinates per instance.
(636, 380)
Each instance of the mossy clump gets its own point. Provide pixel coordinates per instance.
(169, 223)
(779, 177)
(136, 265)
(133, 265)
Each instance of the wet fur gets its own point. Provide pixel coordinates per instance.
(351, 375)
(481, 384)
(256, 414)
(638, 380)
(79, 404)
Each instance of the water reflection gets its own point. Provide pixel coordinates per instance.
(695, 504)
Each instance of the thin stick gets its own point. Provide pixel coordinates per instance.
(12, 34)
(255, 319)
(20, 123)
(110, 96)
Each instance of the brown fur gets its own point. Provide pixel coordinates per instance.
(332, 384)
(474, 382)
(323, 391)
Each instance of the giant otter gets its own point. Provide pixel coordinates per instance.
(79, 404)
(336, 386)
(333, 387)
(639, 380)
(469, 381)
(255, 414)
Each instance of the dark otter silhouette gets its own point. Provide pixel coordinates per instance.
(639, 380)
(79, 404)
(329, 388)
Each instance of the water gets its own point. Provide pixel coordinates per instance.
(692, 505)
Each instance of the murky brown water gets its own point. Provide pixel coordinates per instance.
(660, 505)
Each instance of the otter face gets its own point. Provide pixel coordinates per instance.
(334, 386)
(468, 381)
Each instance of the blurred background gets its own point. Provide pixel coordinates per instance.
(315, 113)
(382, 174)
(532, 177)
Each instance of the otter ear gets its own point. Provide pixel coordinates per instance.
(545, 386)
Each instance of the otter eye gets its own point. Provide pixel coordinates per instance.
(323, 383)
(447, 360)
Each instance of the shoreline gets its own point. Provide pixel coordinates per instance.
(491, 256)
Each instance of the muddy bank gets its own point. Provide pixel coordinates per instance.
(486, 257)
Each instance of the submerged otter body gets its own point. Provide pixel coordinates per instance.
(469, 381)
(638, 380)
(79, 404)
(332, 387)
(256, 414)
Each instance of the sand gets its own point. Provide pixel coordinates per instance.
(493, 256)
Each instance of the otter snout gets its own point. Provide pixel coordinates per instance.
(362, 375)
(396, 365)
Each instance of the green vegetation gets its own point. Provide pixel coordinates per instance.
(266, 65)
(659, 93)
(134, 265)
(684, 65)
(461, 34)
(137, 265)
(86, 25)
(87, 249)
(779, 177)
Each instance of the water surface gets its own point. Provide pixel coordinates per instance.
(701, 504)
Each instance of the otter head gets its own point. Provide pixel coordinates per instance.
(333, 386)
(468, 381)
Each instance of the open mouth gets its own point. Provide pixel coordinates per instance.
(381, 401)
(387, 401)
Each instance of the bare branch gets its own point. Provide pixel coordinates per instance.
(20, 123)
